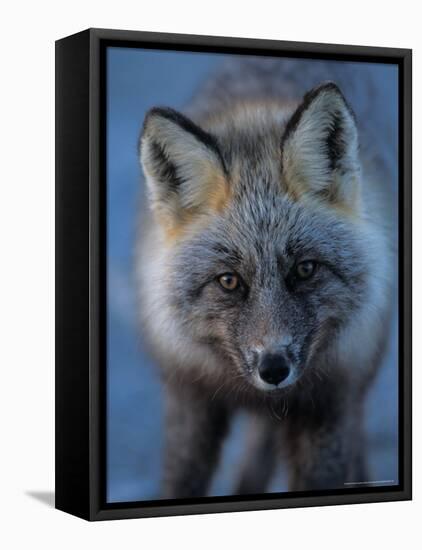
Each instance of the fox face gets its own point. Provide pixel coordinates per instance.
(267, 259)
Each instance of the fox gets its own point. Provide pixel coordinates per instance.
(265, 274)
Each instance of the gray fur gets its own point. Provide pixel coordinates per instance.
(332, 328)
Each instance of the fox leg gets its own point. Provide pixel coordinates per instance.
(260, 457)
(195, 429)
(327, 456)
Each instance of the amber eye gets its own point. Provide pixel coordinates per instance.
(229, 281)
(305, 269)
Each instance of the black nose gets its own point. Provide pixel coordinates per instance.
(273, 368)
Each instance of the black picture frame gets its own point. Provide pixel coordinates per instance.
(81, 273)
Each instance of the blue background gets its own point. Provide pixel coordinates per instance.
(137, 80)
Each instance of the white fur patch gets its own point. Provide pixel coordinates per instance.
(163, 327)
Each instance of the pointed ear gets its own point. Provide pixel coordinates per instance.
(320, 149)
(184, 169)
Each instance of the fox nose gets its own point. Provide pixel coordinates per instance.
(273, 368)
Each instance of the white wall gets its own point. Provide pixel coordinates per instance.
(27, 271)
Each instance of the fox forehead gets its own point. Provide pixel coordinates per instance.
(250, 137)
(265, 236)
(249, 131)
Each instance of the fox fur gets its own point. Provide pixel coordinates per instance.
(252, 181)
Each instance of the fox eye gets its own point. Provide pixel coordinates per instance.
(229, 281)
(305, 270)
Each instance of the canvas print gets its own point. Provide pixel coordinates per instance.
(252, 234)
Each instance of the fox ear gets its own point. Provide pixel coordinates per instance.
(320, 148)
(184, 169)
